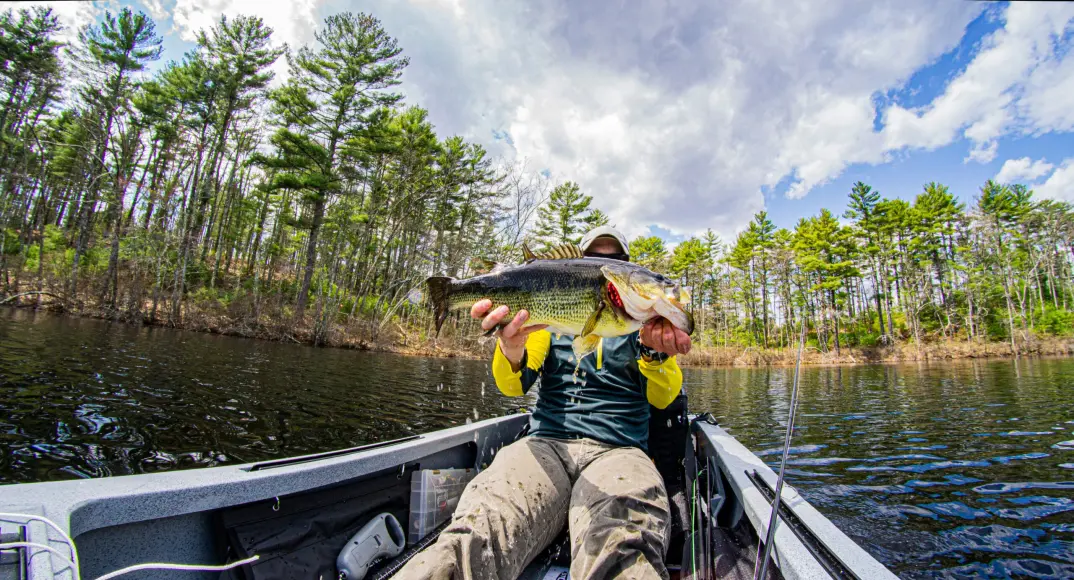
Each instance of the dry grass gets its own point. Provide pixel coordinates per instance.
(752, 356)
(274, 321)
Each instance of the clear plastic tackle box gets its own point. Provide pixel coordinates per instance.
(434, 493)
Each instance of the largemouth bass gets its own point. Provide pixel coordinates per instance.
(585, 297)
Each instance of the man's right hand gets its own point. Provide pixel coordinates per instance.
(513, 336)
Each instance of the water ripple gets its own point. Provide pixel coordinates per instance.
(1000, 487)
(952, 470)
(988, 493)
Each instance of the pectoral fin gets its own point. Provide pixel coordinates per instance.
(584, 345)
(591, 322)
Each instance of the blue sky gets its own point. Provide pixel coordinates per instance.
(678, 117)
(907, 172)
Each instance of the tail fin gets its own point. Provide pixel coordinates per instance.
(439, 292)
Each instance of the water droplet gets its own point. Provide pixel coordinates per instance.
(669, 427)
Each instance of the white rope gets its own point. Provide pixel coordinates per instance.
(74, 564)
(63, 534)
(57, 553)
(164, 566)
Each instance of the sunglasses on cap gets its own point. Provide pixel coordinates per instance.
(616, 256)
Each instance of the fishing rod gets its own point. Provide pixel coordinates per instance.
(760, 567)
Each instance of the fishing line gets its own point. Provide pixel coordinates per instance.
(765, 550)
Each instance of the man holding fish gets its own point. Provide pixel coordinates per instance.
(601, 334)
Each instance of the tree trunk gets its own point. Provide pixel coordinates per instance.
(311, 258)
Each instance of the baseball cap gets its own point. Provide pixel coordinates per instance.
(604, 232)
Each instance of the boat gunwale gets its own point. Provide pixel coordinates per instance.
(81, 506)
(791, 555)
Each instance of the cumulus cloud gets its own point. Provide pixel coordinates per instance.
(1013, 84)
(293, 21)
(72, 15)
(676, 114)
(1060, 185)
(1024, 169)
(680, 114)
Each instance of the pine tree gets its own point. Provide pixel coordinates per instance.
(649, 252)
(563, 219)
(595, 218)
(108, 55)
(826, 253)
(333, 90)
(761, 229)
(239, 56)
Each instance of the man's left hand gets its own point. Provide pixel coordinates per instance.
(661, 335)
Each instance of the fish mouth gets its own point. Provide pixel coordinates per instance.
(643, 296)
(689, 323)
(676, 314)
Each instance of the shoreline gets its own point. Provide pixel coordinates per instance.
(704, 357)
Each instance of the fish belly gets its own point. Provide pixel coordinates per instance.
(565, 312)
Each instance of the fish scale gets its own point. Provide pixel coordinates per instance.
(567, 293)
(560, 293)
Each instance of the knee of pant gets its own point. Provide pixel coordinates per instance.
(606, 500)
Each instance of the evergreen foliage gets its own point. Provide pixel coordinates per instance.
(325, 202)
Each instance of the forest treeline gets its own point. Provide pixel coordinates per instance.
(203, 193)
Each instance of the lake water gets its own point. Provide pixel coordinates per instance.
(957, 469)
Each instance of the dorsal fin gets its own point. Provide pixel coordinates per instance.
(563, 252)
(527, 253)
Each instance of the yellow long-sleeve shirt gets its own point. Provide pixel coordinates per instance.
(606, 397)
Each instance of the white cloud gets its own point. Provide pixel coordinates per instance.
(1024, 169)
(156, 9)
(681, 114)
(983, 152)
(293, 21)
(1060, 185)
(72, 15)
(675, 114)
(1015, 83)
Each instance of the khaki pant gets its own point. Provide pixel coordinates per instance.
(613, 498)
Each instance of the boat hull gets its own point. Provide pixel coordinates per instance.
(176, 516)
